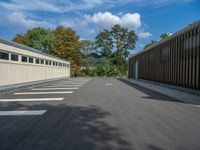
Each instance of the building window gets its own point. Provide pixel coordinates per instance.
(30, 59)
(14, 57)
(24, 59)
(4, 56)
(37, 61)
(46, 62)
(42, 61)
(50, 62)
(54, 63)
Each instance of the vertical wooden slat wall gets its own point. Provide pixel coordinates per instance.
(175, 60)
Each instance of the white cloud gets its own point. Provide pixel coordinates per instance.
(170, 34)
(19, 19)
(90, 25)
(30, 5)
(107, 20)
(61, 6)
(144, 35)
(50, 5)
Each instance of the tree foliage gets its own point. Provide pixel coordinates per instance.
(87, 48)
(61, 42)
(21, 39)
(164, 35)
(106, 56)
(104, 43)
(149, 44)
(38, 38)
(66, 45)
(115, 45)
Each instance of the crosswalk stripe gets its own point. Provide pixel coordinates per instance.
(30, 93)
(43, 89)
(31, 99)
(22, 112)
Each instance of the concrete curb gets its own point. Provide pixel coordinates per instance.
(183, 89)
(181, 94)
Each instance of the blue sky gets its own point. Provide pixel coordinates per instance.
(149, 18)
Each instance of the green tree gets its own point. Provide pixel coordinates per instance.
(115, 44)
(67, 46)
(21, 39)
(87, 48)
(104, 43)
(38, 38)
(149, 44)
(164, 35)
(123, 39)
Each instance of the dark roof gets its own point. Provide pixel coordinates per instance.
(17, 45)
(190, 27)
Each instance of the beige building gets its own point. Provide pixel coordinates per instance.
(21, 64)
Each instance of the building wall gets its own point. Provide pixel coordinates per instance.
(13, 72)
(173, 61)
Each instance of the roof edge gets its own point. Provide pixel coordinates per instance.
(24, 47)
(195, 24)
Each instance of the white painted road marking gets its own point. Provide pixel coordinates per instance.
(108, 83)
(31, 99)
(22, 113)
(41, 89)
(30, 93)
(67, 84)
(61, 85)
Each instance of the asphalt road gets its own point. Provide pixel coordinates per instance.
(103, 114)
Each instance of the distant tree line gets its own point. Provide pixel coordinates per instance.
(106, 56)
(110, 50)
(162, 37)
(61, 42)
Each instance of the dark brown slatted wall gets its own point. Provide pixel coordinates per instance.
(190, 58)
(175, 60)
(198, 59)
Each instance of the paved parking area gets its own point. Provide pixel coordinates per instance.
(96, 114)
(53, 91)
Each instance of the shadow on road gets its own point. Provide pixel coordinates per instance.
(152, 95)
(62, 127)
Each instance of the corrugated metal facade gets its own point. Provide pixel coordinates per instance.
(174, 60)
